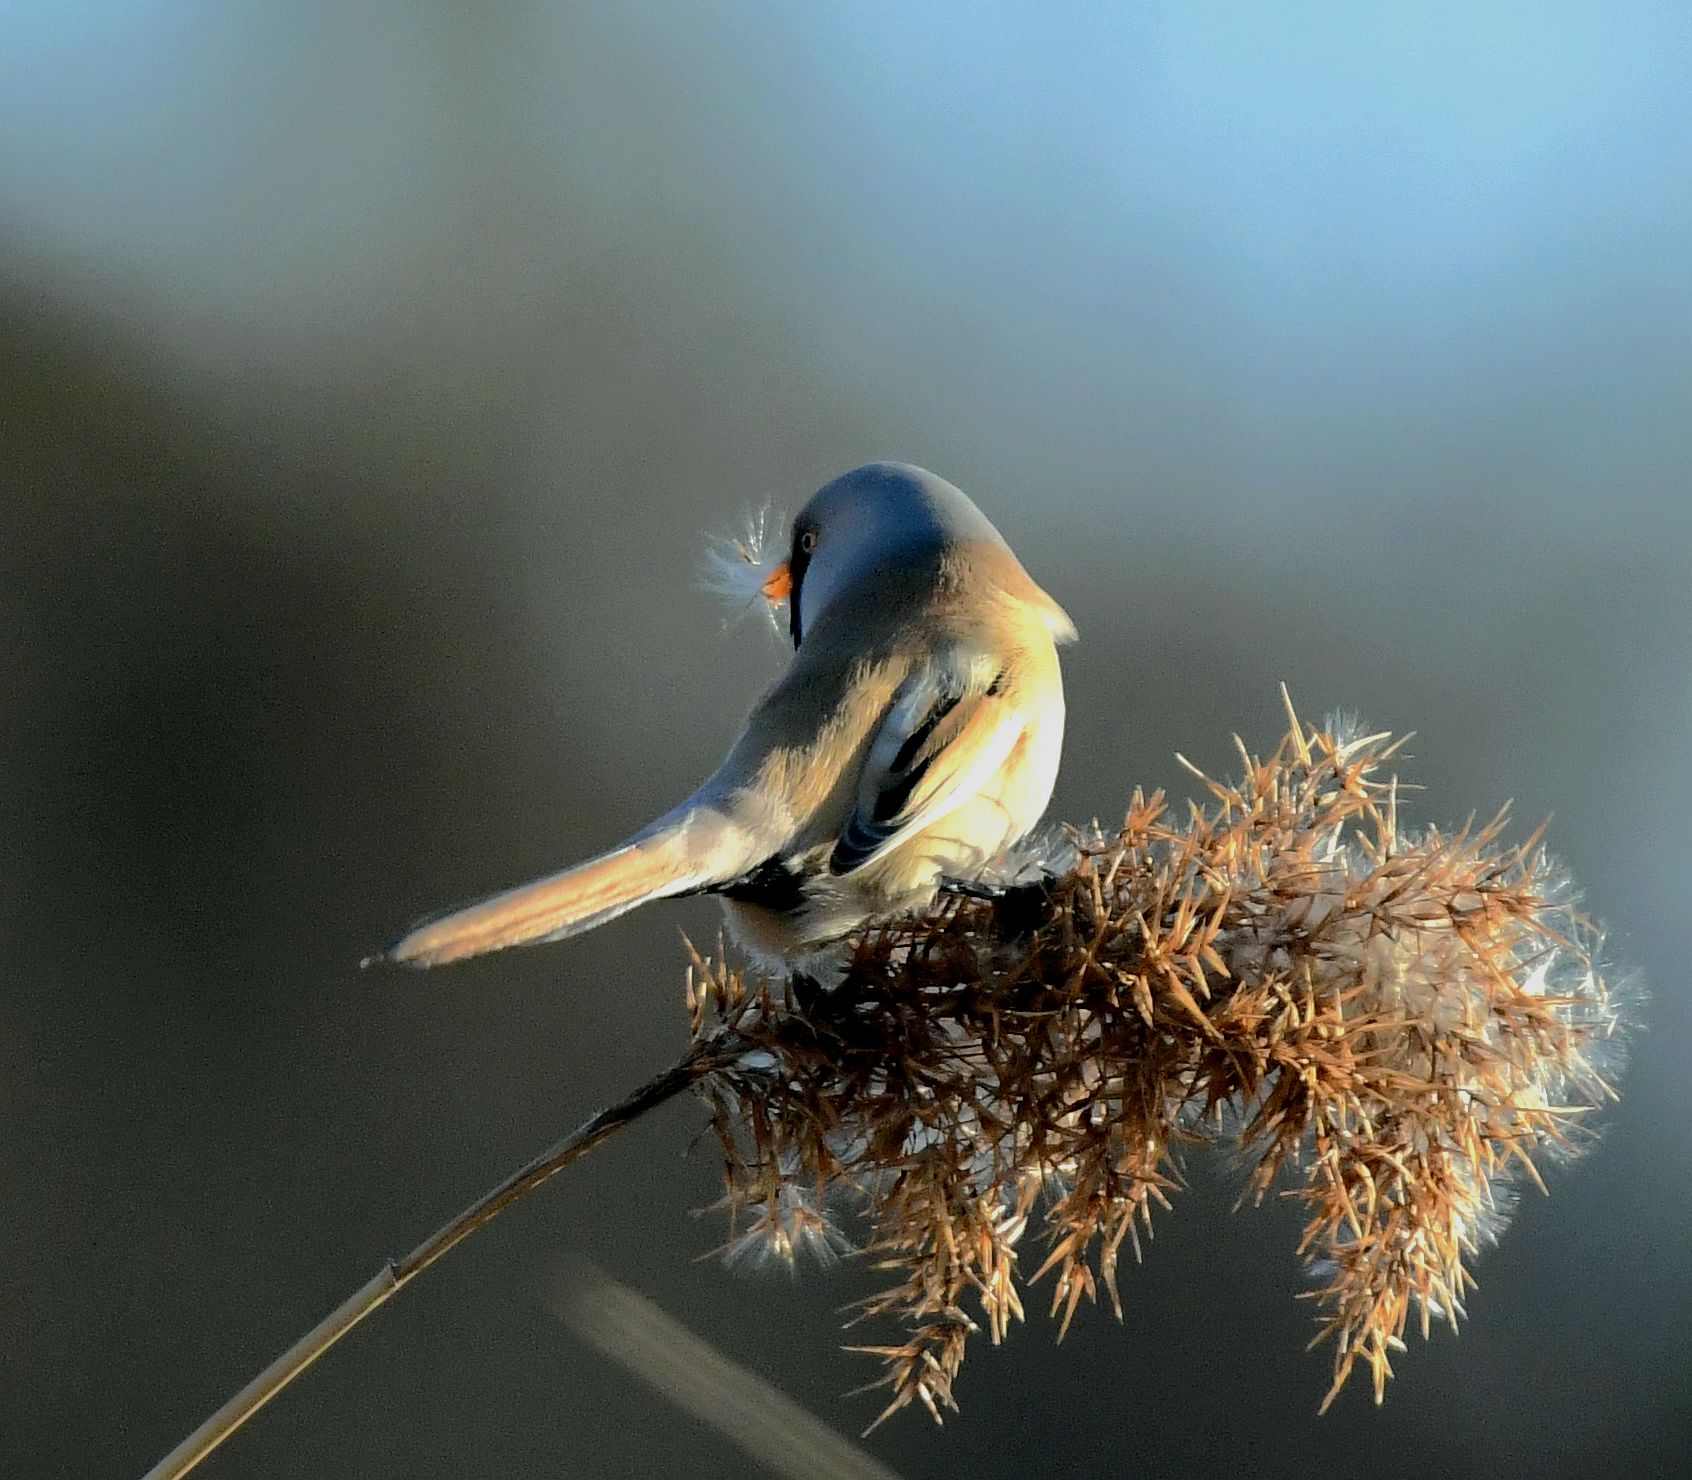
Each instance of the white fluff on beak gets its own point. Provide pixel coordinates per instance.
(737, 567)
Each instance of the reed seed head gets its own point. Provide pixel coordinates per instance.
(1393, 1027)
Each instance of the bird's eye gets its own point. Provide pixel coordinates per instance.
(807, 542)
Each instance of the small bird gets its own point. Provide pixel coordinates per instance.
(915, 735)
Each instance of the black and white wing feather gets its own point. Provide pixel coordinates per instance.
(944, 736)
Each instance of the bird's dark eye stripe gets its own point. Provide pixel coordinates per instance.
(804, 541)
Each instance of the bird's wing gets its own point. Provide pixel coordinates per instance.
(943, 737)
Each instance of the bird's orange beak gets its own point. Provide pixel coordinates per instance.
(778, 585)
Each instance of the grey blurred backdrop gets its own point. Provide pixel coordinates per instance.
(368, 377)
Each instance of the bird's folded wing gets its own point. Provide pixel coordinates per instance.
(940, 743)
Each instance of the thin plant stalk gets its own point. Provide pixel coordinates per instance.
(397, 1274)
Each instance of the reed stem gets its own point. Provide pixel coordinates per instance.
(395, 1275)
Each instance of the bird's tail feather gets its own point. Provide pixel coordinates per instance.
(557, 906)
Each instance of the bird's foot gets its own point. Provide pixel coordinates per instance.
(1021, 908)
(806, 992)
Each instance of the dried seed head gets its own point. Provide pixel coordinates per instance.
(1396, 1025)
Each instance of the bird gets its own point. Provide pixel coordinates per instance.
(914, 736)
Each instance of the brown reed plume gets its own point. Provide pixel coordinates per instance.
(1395, 1025)
(1392, 1026)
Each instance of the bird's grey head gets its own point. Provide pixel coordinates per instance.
(881, 514)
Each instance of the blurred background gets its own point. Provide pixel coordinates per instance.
(369, 376)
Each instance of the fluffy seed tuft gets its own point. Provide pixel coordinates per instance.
(736, 566)
(1392, 1026)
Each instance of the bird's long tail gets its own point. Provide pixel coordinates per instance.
(655, 866)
